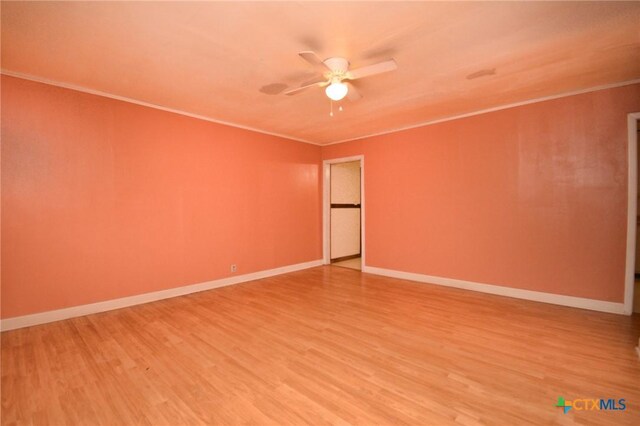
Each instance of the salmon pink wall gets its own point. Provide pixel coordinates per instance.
(532, 197)
(103, 199)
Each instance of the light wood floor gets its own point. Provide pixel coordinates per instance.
(325, 345)
(350, 263)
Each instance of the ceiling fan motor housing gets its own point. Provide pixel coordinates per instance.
(337, 65)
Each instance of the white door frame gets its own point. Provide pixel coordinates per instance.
(326, 205)
(632, 208)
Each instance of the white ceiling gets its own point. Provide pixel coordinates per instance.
(225, 60)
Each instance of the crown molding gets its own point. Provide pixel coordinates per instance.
(147, 104)
(492, 109)
(293, 138)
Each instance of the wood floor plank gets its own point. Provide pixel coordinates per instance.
(327, 345)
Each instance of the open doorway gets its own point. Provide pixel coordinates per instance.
(632, 278)
(636, 290)
(344, 212)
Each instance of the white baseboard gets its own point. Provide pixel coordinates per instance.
(108, 305)
(556, 299)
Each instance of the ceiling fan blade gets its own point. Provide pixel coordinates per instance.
(374, 69)
(319, 80)
(315, 82)
(314, 60)
(353, 94)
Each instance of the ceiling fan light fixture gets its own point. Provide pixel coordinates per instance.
(336, 90)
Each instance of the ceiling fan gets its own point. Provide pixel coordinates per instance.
(336, 75)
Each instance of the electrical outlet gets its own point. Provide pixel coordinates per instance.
(234, 267)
